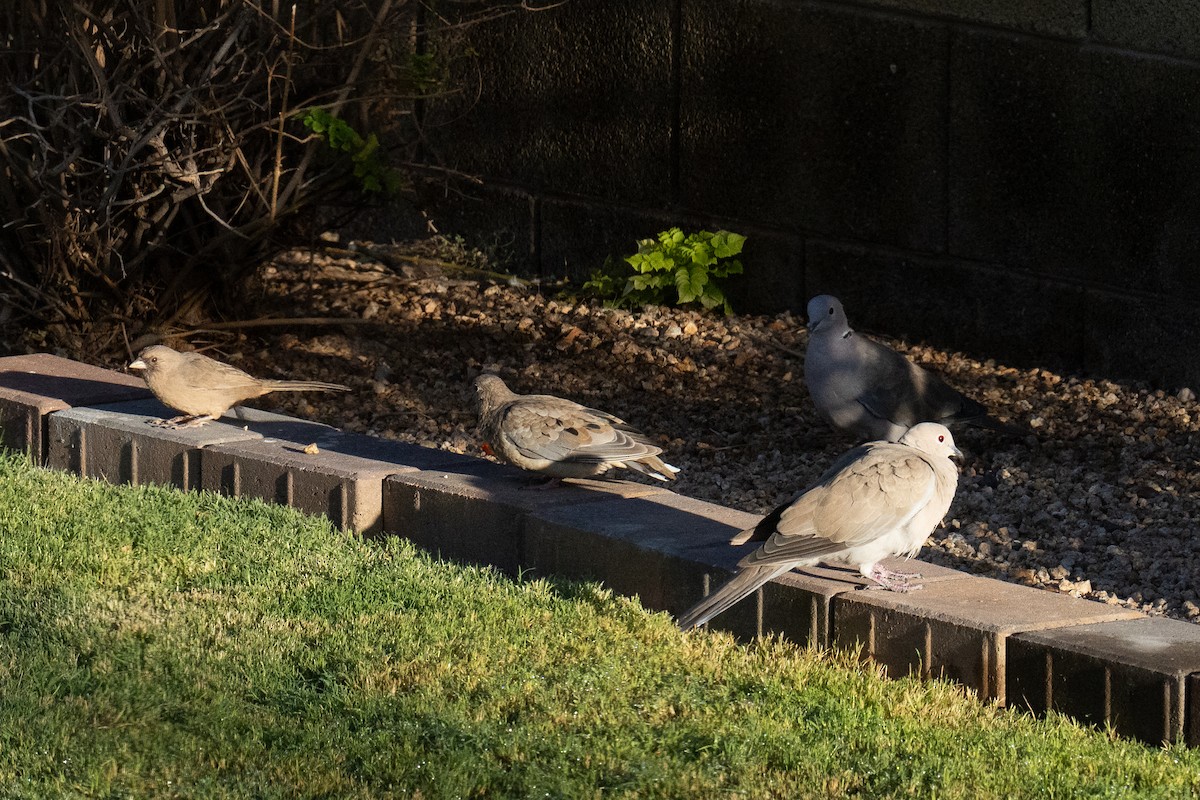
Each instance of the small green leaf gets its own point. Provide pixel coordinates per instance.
(650, 281)
(671, 237)
(724, 269)
(690, 281)
(702, 254)
(658, 261)
(691, 263)
(713, 296)
(727, 244)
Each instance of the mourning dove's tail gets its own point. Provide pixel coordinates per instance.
(765, 527)
(729, 593)
(654, 467)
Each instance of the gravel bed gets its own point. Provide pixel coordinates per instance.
(1101, 503)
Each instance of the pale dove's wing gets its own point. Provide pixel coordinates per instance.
(877, 493)
(878, 500)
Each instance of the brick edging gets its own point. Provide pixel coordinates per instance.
(1011, 644)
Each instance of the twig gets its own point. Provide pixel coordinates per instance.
(214, 327)
(771, 342)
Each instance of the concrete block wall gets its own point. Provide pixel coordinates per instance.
(1009, 644)
(1024, 175)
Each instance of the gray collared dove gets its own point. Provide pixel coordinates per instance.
(869, 390)
(560, 438)
(203, 388)
(878, 500)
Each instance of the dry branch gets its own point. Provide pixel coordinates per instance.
(151, 150)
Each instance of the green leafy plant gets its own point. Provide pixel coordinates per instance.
(690, 264)
(372, 173)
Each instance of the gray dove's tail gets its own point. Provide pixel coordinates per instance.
(993, 424)
(654, 467)
(303, 386)
(729, 593)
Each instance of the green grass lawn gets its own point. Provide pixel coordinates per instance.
(161, 644)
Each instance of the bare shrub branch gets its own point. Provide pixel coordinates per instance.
(152, 150)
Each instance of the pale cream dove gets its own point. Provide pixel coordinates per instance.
(203, 388)
(874, 393)
(559, 438)
(878, 500)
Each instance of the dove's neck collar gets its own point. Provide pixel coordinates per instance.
(849, 332)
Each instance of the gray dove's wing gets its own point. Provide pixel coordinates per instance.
(899, 391)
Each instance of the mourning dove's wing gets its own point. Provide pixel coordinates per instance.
(560, 438)
(878, 500)
(869, 390)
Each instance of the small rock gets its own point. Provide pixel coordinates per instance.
(1024, 575)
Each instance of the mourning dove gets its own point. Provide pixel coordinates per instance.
(204, 389)
(559, 438)
(878, 500)
(869, 390)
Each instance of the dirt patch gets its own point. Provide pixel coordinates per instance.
(1103, 503)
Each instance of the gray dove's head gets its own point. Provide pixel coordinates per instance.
(491, 391)
(826, 312)
(931, 438)
(158, 358)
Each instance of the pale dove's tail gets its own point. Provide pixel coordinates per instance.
(729, 593)
(303, 386)
(743, 537)
(654, 467)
